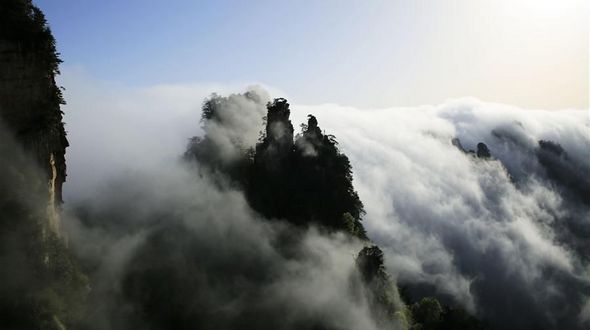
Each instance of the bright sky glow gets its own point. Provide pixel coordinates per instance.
(530, 53)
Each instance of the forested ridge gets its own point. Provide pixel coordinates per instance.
(305, 179)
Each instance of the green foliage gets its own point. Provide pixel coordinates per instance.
(428, 312)
(353, 226)
(25, 24)
(402, 319)
(384, 300)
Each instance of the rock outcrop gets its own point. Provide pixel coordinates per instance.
(29, 97)
(483, 151)
(42, 286)
(277, 143)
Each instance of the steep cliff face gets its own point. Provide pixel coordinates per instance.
(41, 286)
(29, 97)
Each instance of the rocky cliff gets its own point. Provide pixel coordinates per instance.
(29, 97)
(41, 286)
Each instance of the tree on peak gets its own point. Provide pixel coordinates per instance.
(384, 300)
(310, 139)
(278, 110)
(370, 262)
(312, 127)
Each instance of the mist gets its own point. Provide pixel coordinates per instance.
(167, 243)
(178, 251)
(504, 237)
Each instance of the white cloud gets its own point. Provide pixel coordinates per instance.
(462, 224)
(494, 235)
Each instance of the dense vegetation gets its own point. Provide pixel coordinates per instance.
(25, 24)
(304, 179)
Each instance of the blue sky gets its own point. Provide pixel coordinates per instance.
(362, 53)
